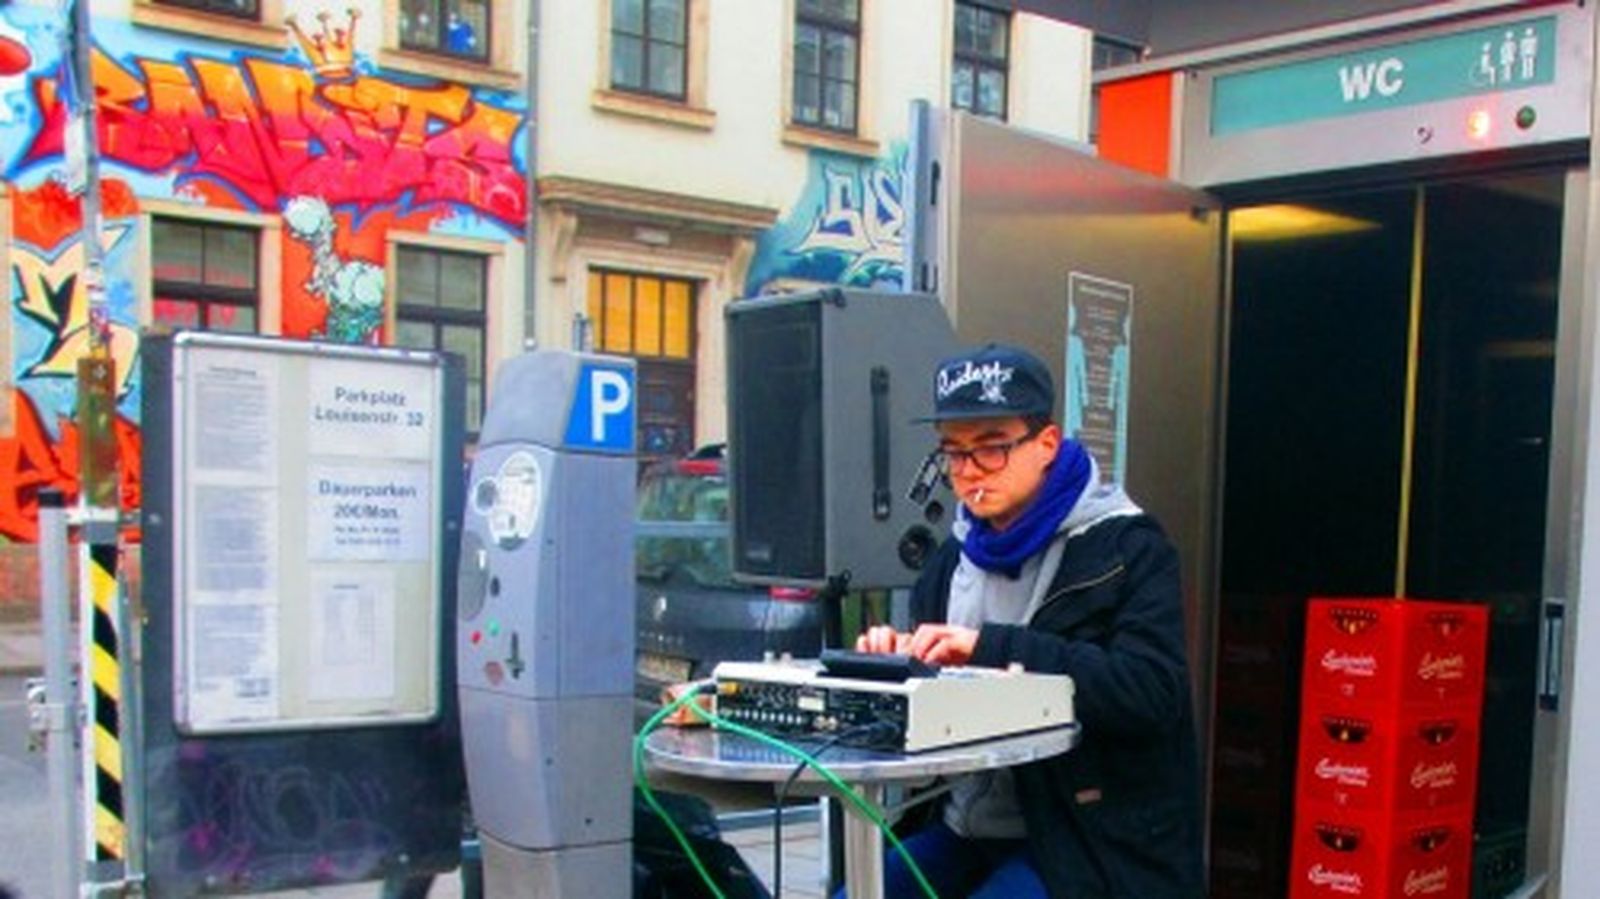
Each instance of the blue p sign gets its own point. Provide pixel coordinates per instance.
(602, 409)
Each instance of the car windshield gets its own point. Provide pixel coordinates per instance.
(683, 530)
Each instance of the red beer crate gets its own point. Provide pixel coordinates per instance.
(1405, 760)
(1392, 651)
(1340, 854)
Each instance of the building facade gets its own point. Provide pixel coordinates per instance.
(375, 173)
(766, 153)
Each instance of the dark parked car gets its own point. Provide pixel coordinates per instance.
(691, 613)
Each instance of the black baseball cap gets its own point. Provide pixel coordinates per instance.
(995, 381)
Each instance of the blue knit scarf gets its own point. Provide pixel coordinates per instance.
(1004, 552)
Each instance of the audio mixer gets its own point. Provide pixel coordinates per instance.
(936, 708)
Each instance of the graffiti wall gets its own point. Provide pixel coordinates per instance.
(847, 227)
(340, 151)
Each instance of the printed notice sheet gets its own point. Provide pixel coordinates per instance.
(234, 544)
(371, 513)
(234, 416)
(352, 634)
(357, 409)
(233, 662)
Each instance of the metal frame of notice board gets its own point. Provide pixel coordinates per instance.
(306, 797)
(307, 533)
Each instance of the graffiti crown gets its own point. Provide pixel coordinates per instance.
(332, 50)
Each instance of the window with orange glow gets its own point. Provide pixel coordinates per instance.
(641, 315)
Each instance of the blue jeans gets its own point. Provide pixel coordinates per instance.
(959, 867)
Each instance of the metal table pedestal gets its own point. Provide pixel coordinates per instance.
(713, 755)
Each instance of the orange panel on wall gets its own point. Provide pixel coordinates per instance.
(1136, 122)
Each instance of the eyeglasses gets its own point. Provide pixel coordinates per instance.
(989, 458)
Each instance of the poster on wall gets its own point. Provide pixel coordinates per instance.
(307, 484)
(1099, 349)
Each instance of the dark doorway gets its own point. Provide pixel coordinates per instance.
(1391, 371)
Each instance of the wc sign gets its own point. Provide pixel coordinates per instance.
(1511, 55)
(603, 408)
(1358, 82)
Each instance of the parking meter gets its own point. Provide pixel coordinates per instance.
(545, 644)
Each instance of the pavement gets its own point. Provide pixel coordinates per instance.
(21, 647)
(22, 654)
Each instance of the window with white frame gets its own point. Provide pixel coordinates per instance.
(650, 47)
(827, 64)
(982, 60)
(455, 28)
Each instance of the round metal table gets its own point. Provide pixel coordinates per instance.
(716, 755)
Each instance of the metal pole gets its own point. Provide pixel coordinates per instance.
(61, 707)
(106, 695)
(93, 248)
(133, 784)
(530, 303)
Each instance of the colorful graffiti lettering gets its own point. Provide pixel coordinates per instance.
(47, 262)
(862, 220)
(847, 228)
(31, 461)
(51, 302)
(343, 152)
(52, 293)
(271, 131)
(14, 57)
(15, 60)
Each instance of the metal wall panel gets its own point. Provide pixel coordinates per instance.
(1020, 214)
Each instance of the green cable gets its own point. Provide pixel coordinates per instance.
(810, 761)
(845, 790)
(643, 784)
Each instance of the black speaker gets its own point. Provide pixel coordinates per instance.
(822, 449)
(775, 440)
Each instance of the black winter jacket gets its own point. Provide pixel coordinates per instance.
(1118, 817)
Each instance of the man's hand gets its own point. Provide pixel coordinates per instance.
(936, 644)
(943, 644)
(883, 638)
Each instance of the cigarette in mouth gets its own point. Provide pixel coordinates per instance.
(977, 495)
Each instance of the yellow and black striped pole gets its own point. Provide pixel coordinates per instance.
(103, 768)
(105, 795)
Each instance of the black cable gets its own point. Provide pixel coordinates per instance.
(777, 812)
(783, 790)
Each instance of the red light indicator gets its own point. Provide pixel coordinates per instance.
(1478, 124)
(477, 637)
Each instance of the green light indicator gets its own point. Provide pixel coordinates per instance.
(1526, 117)
(494, 628)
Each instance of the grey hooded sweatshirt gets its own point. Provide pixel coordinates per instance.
(984, 805)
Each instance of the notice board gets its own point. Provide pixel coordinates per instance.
(307, 506)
